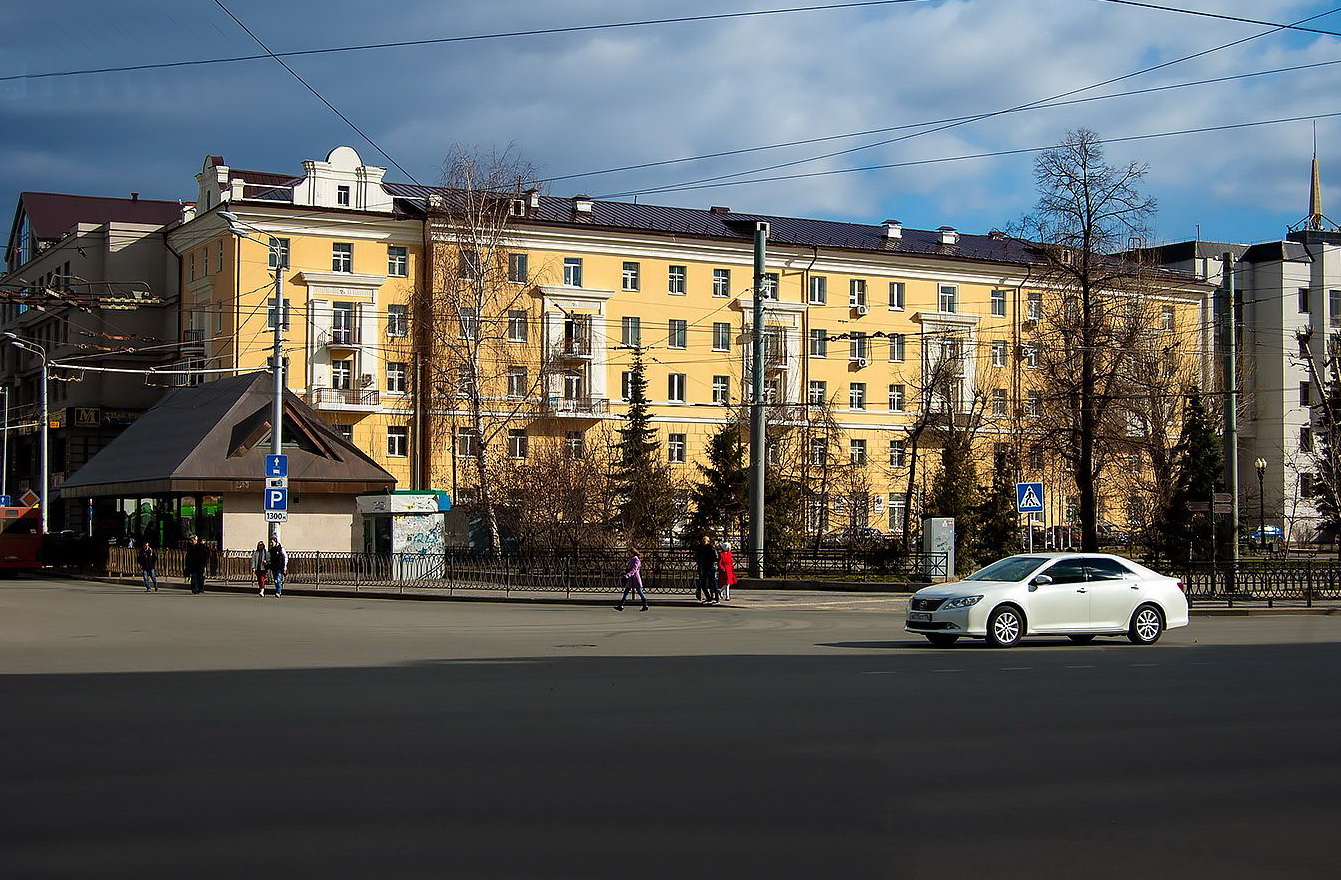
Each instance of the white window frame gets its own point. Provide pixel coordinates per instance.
(631, 331)
(519, 444)
(1033, 307)
(898, 348)
(397, 441)
(819, 290)
(1000, 353)
(998, 303)
(819, 342)
(856, 451)
(856, 395)
(342, 256)
(675, 387)
(817, 392)
(677, 333)
(898, 453)
(721, 336)
(898, 397)
(947, 295)
(517, 325)
(721, 390)
(397, 261)
(677, 280)
(897, 292)
(676, 445)
(856, 292)
(631, 276)
(396, 372)
(572, 271)
(721, 282)
(517, 383)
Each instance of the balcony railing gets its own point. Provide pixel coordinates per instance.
(343, 337)
(575, 347)
(344, 398)
(193, 342)
(580, 407)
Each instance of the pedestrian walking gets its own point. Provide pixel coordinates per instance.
(197, 557)
(260, 563)
(148, 561)
(633, 580)
(279, 564)
(726, 572)
(705, 558)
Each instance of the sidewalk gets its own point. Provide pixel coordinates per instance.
(798, 600)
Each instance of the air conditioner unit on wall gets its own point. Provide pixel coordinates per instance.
(863, 362)
(862, 310)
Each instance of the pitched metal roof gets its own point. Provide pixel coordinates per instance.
(209, 438)
(51, 215)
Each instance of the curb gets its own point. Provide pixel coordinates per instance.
(1264, 612)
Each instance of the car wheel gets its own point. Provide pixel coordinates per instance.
(1005, 627)
(941, 640)
(1082, 638)
(1147, 625)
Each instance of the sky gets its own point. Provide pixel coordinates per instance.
(585, 99)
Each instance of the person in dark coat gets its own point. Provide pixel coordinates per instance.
(197, 558)
(279, 564)
(148, 561)
(705, 557)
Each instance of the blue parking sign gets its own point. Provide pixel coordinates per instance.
(1029, 497)
(276, 465)
(276, 499)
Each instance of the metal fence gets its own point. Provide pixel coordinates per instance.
(1306, 580)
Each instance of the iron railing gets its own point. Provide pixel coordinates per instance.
(1305, 580)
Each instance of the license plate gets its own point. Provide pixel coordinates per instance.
(919, 615)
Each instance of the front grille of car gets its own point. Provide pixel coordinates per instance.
(932, 624)
(926, 604)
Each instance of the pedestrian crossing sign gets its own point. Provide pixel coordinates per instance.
(1029, 497)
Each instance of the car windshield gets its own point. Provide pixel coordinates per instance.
(1012, 568)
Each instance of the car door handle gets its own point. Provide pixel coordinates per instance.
(1082, 590)
(1136, 586)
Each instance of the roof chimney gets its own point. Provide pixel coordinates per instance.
(718, 209)
(948, 235)
(134, 197)
(582, 207)
(893, 229)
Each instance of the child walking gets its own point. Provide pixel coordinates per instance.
(633, 580)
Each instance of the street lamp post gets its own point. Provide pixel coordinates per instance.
(1261, 465)
(277, 343)
(4, 444)
(45, 452)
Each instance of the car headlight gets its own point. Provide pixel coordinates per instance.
(962, 602)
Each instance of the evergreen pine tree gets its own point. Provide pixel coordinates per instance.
(955, 493)
(645, 497)
(1182, 535)
(998, 522)
(1325, 486)
(718, 504)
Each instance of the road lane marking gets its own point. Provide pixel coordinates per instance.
(1080, 667)
(1015, 668)
(947, 670)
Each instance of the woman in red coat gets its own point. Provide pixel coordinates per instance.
(726, 572)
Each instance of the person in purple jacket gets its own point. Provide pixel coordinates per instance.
(633, 580)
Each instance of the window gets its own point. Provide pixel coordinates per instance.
(1033, 404)
(517, 384)
(856, 395)
(857, 346)
(1305, 439)
(949, 298)
(897, 511)
(346, 432)
(1033, 307)
(470, 324)
(342, 257)
(898, 345)
(517, 325)
(574, 448)
(1030, 355)
(191, 261)
(721, 336)
(721, 282)
(819, 343)
(677, 334)
(999, 353)
(1304, 395)
(998, 401)
(1303, 301)
(1036, 457)
(1166, 316)
(819, 451)
(675, 280)
(625, 385)
(342, 323)
(1303, 346)
(466, 447)
(1334, 310)
(898, 453)
(771, 285)
(819, 290)
(721, 390)
(675, 387)
(1306, 484)
(397, 261)
(897, 398)
(517, 271)
(817, 392)
(632, 276)
(1101, 569)
(395, 376)
(342, 196)
(998, 304)
(518, 443)
(397, 320)
(856, 451)
(1067, 571)
(896, 294)
(675, 444)
(572, 271)
(279, 248)
(397, 441)
(856, 292)
(342, 375)
(270, 315)
(772, 390)
(218, 258)
(631, 331)
(572, 385)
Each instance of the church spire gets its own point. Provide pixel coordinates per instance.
(1315, 218)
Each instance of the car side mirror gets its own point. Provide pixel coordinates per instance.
(1040, 580)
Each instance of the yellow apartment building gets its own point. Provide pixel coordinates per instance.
(869, 328)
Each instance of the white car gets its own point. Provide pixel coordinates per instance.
(1079, 595)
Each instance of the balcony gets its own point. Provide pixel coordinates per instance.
(578, 407)
(343, 337)
(344, 399)
(193, 343)
(575, 348)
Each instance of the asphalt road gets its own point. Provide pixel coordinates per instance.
(171, 735)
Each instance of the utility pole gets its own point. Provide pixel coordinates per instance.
(1230, 330)
(758, 441)
(277, 353)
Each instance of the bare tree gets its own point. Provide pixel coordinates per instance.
(561, 495)
(480, 369)
(1088, 212)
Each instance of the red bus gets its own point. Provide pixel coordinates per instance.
(20, 539)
